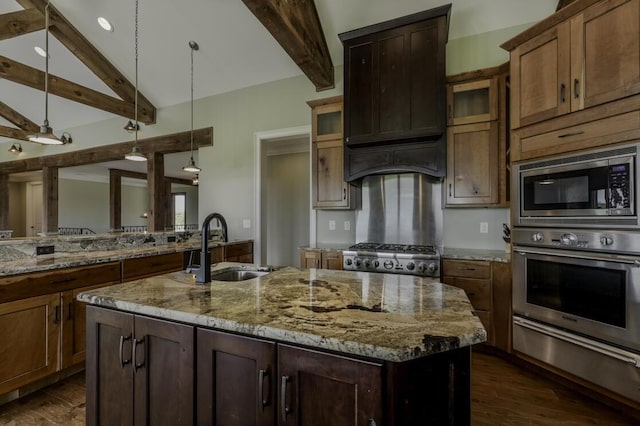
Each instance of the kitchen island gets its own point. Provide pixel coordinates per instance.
(290, 347)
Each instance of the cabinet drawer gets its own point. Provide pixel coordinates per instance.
(478, 291)
(236, 250)
(466, 268)
(21, 286)
(152, 265)
(614, 129)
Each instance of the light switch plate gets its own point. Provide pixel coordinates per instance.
(246, 223)
(332, 225)
(347, 225)
(484, 227)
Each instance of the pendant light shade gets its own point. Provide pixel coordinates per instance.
(192, 167)
(16, 148)
(135, 154)
(196, 180)
(45, 135)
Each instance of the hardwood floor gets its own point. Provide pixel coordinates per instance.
(502, 394)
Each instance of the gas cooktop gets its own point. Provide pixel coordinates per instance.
(393, 248)
(411, 259)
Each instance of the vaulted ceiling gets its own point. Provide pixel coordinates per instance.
(236, 50)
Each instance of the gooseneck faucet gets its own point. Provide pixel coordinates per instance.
(203, 274)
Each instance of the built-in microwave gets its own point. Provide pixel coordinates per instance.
(589, 189)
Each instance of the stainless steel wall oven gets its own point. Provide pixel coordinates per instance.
(576, 303)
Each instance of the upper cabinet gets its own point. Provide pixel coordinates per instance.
(478, 139)
(575, 80)
(328, 188)
(585, 55)
(394, 95)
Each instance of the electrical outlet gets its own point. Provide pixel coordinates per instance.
(332, 225)
(347, 225)
(484, 227)
(246, 223)
(44, 250)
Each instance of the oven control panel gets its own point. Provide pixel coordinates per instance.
(618, 241)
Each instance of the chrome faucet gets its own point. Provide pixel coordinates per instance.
(203, 273)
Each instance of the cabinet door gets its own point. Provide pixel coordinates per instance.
(236, 380)
(310, 259)
(319, 389)
(540, 76)
(109, 369)
(74, 326)
(609, 35)
(332, 260)
(472, 102)
(328, 186)
(29, 336)
(163, 361)
(326, 122)
(472, 164)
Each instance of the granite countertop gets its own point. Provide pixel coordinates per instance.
(382, 316)
(74, 259)
(476, 254)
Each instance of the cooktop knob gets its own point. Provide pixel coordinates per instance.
(537, 237)
(432, 268)
(367, 263)
(606, 240)
(357, 262)
(411, 266)
(348, 261)
(376, 263)
(422, 266)
(388, 264)
(568, 239)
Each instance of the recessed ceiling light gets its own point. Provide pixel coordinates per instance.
(40, 51)
(105, 24)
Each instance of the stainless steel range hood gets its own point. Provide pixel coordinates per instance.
(400, 209)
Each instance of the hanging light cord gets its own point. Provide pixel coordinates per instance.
(46, 65)
(135, 97)
(192, 48)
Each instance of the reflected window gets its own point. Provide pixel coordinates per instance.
(179, 210)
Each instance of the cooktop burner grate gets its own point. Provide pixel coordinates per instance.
(394, 248)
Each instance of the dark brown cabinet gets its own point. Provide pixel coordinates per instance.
(136, 368)
(322, 389)
(395, 95)
(236, 380)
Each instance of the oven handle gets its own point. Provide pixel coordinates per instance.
(610, 351)
(591, 256)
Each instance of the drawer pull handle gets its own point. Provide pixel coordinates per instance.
(576, 88)
(563, 89)
(124, 361)
(283, 399)
(263, 401)
(566, 135)
(137, 365)
(56, 314)
(70, 311)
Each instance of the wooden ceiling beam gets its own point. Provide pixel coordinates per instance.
(26, 21)
(11, 133)
(73, 40)
(166, 144)
(28, 76)
(17, 119)
(296, 26)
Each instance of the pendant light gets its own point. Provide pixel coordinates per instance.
(135, 154)
(16, 148)
(191, 167)
(45, 136)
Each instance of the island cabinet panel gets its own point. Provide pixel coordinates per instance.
(29, 340)
(236, 382)
(323, 389)
(142, 267)
(321, 259)
(136, 368)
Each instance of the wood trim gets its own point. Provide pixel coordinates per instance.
(14, 24)
(325, 101)
(480, 74)
(11, 133)
(50, 199)
(73, 40)
(297, 28)
(115, 200)
(550, 22)
(4, 201)
(165, 144)
(156, 192)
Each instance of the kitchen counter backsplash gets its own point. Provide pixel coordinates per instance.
(26, 248)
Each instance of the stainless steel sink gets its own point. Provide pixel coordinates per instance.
(236, 275)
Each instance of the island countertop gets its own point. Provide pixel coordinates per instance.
(388, 317)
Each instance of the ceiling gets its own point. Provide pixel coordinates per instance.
(236, 51)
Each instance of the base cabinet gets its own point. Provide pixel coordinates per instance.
(323, 389)
(139, 370)
(142, 370)
(320, 259)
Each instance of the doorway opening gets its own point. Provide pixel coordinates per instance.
(284, 218)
